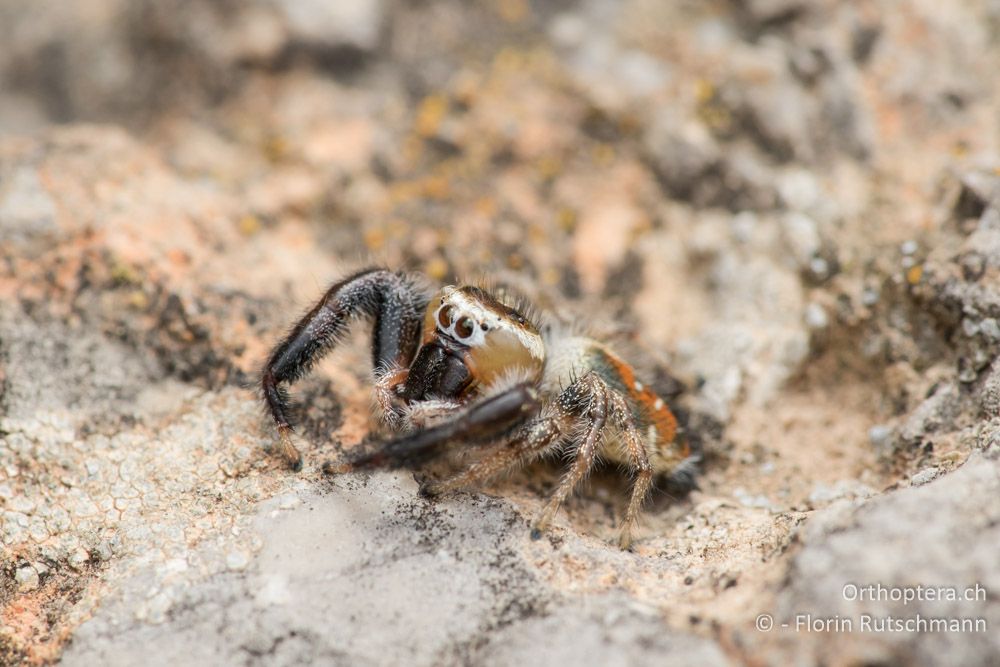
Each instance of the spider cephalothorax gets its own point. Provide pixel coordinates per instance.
(468, 365)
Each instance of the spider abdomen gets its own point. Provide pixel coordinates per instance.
(573, 357)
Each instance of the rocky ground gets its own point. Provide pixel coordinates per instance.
(787, 211)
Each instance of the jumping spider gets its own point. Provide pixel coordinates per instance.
(471, 366)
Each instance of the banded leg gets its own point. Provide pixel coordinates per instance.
(428, 413)
(489, 418)
(590, 392)
(395, 301)
(386, 398)
(585, 400)
(632, 442)
(528, 442)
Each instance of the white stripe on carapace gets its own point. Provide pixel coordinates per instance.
(465, 305)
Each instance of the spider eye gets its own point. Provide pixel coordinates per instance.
(444, 316)
(465, 327)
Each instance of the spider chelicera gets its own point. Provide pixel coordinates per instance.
(469, 365)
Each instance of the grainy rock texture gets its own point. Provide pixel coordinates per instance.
(787, 213)
(890, 541)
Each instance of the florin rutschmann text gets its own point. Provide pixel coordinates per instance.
(880, 621)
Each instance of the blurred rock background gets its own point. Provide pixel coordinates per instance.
(792, 207)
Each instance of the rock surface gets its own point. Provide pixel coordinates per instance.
(431, 584)
(888, 542)
(787, 213)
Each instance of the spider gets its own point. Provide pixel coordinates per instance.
(473, 366)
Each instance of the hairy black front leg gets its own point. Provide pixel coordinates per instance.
(487, 419)
(395, 300)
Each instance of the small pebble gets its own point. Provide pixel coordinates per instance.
(966, 373)
(989, 328)
(879, 435)
(819, 267)
(237, 561)
(799, 189)
(816, 317)
(970, 327)
(925, 475)
(158, 607)
(973, 265)
(26, 578)
(103, 551)
(802, 235)
(78, 558)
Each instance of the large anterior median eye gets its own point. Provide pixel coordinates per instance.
(444, 316)
(465, 327)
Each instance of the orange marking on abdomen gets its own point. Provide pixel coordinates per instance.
(660, 416)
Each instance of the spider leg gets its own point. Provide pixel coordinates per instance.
(486, 419)
(386, 398)
(396, 302)
(589, 395)
(427, 413)
(588, 401)
(622, 419)
(527, 443)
